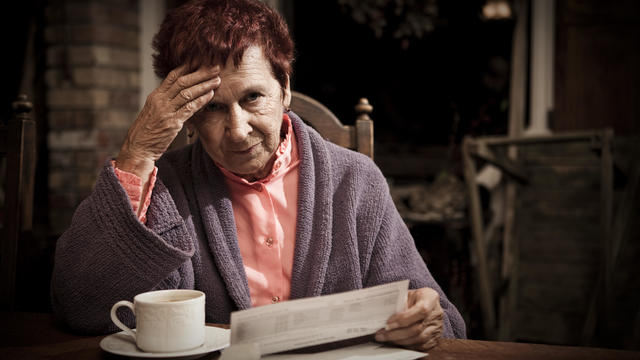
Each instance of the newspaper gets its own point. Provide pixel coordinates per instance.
(367, 351)
(312, 321)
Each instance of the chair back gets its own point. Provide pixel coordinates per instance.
(358, 137)
(18, 154)
(557, 198)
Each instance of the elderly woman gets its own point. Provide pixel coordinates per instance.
(260, 209)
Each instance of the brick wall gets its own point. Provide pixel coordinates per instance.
(92, 80)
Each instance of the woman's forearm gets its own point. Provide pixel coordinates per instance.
(108, 255)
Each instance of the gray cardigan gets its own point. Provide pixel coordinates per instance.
(349, 235)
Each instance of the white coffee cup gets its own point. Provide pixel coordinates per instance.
(166, 320)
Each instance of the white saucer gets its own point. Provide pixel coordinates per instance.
(122, 344)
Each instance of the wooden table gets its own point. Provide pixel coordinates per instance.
(36, 336)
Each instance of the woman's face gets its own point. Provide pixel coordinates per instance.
(240, 127)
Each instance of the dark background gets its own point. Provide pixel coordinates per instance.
(417, 85)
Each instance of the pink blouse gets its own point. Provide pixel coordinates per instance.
(265, 213)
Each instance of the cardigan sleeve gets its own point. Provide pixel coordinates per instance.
(394, 255)
(107, 255)
(133, 186)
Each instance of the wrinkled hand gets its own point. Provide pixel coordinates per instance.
(166, 109)
(418, 327)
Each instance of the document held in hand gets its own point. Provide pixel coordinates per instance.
(312, 321)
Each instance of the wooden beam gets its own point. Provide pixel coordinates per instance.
(509, 167)
(20, 150)
(364, 128)
(510, 267)
(519, 66)
(478, 246)
(606, 204)
(587, 135)
(598, 304)
(517, 101)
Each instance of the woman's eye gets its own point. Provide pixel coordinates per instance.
(253, 97)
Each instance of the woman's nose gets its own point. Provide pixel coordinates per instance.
(238, 127)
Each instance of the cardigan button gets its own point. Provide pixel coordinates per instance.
(275, 299)
(269, 242)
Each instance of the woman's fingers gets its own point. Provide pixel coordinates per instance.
(171, 78)
(190, 108)
(421, 304)
(181, 82)
(427, 345)
(417, 334)
(420, 325)
(411, 330)
(190, 97)
(421, 336)
(410, 316)
(400, 333)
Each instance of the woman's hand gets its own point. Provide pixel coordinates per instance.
(420, 326)
(178, 97)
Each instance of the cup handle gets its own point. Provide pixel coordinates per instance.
(114, 317)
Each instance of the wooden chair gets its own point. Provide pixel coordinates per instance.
(558, 198)
(18, 150)
(357, 137)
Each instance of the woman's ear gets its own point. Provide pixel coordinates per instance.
(191, 129)
(286, 98)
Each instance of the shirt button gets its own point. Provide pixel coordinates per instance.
(269, 242)
(275, 299)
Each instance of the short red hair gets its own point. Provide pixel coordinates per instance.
(207, 32)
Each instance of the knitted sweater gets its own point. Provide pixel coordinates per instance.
(349, 235)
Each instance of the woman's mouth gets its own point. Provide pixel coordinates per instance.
(245, 151)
